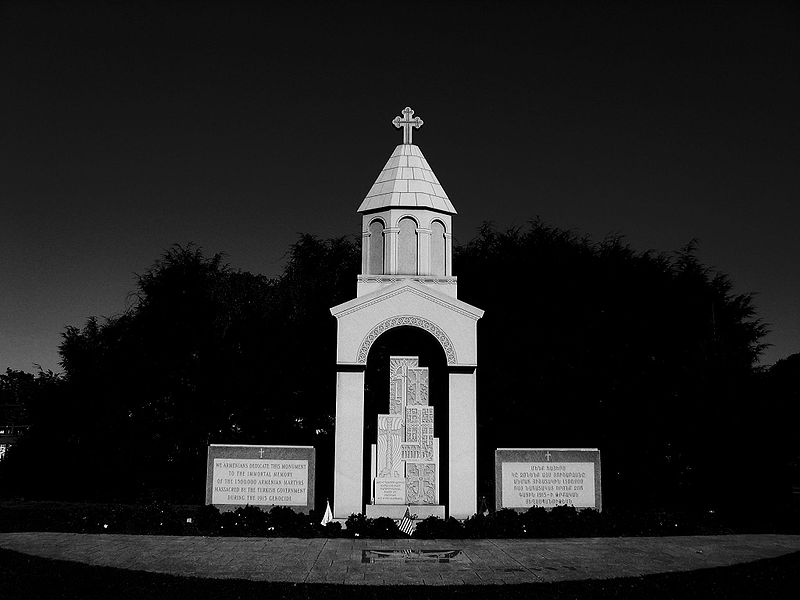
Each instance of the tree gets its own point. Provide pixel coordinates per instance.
(647, 356)
(27, 398)
(778, 401)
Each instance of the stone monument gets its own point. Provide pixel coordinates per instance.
(547, 477)
(264, 476)
(405, 458)
(406, 280)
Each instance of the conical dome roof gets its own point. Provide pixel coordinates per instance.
(408, 181)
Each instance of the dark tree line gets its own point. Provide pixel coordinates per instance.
(650, 357)
(205, 354)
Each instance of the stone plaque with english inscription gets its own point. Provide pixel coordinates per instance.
(266, 476)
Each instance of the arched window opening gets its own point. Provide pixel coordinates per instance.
(438, 252)
(407, 247)
(375, 266)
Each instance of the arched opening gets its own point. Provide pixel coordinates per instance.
(375, 266)
(438, 251)
(407, 247)
(406, 341)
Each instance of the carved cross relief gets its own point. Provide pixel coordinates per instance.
(390, 436)
(420, 483)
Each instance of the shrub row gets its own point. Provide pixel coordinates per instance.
(161, 518)
(563, 521)
(248, 521)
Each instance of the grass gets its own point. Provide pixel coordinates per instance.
(28, 577)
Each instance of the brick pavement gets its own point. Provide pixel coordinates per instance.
(340, 560)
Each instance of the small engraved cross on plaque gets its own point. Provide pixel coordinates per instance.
(261, 453)
(407, 123)
(548, 455)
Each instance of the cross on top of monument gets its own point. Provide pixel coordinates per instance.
(407, 123)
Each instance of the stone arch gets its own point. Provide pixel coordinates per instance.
(407, 251)
(438, 248)
(376, 247)
(409, 320)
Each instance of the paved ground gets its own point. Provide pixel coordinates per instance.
(342, 560)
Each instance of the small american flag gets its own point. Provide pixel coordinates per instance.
(406, 525)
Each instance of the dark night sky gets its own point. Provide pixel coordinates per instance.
(126, 127)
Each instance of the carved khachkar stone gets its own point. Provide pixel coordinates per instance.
(419, 430)
(390, 436)
(406, 449)
(398, 369)
(420, 483)
(417, 386)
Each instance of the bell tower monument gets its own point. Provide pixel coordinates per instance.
(406, 280)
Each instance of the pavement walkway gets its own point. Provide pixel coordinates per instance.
(399, 562)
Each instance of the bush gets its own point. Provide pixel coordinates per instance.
(591, 523)
(207, 520)
(383, 527)
(330, 530)
(505, 523)
(282, 521)
(356, 525)
(477, 526)
(564, 521)
(434, 527)
(151, 519)
(157, 518)
(252, 521)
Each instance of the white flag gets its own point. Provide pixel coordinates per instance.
(328, 517)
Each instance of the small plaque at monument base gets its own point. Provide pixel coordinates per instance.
(547, 477)
(265, 476)
(390, 490)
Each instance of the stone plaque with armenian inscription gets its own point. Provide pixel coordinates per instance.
(547, 477)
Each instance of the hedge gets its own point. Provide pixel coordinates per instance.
(562, 521)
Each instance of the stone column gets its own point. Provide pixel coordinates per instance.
(365, 235)
(390, 258)
(448, 254)
(423, 251)
(349, 443)
(463, 427)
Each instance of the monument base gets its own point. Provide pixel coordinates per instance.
(396, 511)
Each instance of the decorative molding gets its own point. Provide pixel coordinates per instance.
(394, 278)
(407, 320)
(406, 289)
